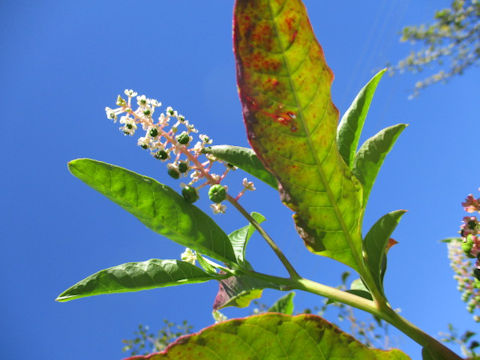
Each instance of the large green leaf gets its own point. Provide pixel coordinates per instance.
(284, 85)
(157, 206)
(136, 276)
(351, 125)
(284, 305)
(371, 155)
(271, 337)
(376, 242)
(239, 238)
(239, 291)
(245, 159)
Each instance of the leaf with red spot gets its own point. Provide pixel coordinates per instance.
(272, 336)
(284, 85)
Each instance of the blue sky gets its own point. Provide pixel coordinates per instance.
(63, 61)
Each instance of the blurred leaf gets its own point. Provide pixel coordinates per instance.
(239, 238)
(452, 239)
(351, 125)
(284, 85)
(376, 242)
(371, 155)
(136, 276)
(245, 159)
(239, 291)
(284, 305)
(157, 206)
(273, 336)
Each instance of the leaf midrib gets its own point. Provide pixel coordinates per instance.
(301, 118)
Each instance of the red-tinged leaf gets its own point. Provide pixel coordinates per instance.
(272, 336)
(284, 84)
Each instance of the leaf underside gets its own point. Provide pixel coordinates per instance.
(136, 276)
(284, 85)
(239, 291)
(245, 159)
(371, 155)
(350, 127)
(270, 337)
(239, 238)
(157, 206)
(284, 305)
(376, 242)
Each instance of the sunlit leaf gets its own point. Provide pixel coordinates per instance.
(245, 159)
(351, 125)
(284, 305)
(376, 242)
(136, 276)
(239, 238)
(371, 155)
(284, 85)
(270, 337)
(157, 206)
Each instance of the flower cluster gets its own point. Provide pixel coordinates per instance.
(470, 229)
(467, 285)
(169, 137)
(460, 253)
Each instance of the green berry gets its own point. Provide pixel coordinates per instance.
(144, 146)
(173, 172)
(147, 112)
(217, 193)
(153, 132)
(161, 155)
(183, 138)
(183, 166)
(476, 273)
(190, 194)
(467, 246)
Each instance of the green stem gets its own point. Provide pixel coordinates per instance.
(440, 351)
(291, 270)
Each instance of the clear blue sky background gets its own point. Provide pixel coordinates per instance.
(62, 62)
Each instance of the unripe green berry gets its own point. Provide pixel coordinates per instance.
(190, 194)
(173, 172)
(153, 132)
(217, 193)
(183, 166)
(161, 155)
(144, 146)
(467, 246)
(183, 138)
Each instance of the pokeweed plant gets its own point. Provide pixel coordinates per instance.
(284, 86)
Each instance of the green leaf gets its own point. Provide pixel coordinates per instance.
(371, 155)
(376, 241)
(245, 159)
(136, 276)
(351, 125)
(284, 85)
(239, 291)
(157, 206)
(239, 238)
(284, 305)
(270, 337)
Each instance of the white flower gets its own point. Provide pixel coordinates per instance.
(163, 120)
(189, 256)
(130, 93)
(248, 185)
(129, 125)
(205, 139)
(113, 113)
(142, 100)
(143, 142)
(198, 148)
(218, 208)
(171, 112)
